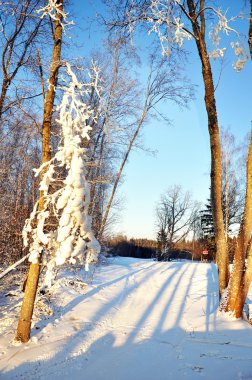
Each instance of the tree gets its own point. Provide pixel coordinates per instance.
(162, 243)
(232, 188)
(163, 84)
(232, 191)
(114, 109)
(242, 270)
(176, 214)
(174, 21)
(22, 31)
(23, 330)
(20, 28)
(206, 219)
(18, 188)
(206, 234)
(70, 237)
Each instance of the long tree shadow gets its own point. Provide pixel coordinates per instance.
(161, 293)
(103, 357)
(212, 299)
(88, 327)
(91, 293)
(147, 360)
(174, 331)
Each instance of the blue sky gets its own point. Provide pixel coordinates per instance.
(183, 155)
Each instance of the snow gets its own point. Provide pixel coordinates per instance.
(72, 236)
(130, 319)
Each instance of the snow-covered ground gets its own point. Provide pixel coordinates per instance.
(136, 320)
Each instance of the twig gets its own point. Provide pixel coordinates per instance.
(13, 266)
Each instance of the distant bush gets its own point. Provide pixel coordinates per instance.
(138, 248)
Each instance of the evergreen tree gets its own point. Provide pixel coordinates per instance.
(206, 221)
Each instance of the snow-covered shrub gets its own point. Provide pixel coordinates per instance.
(70, 237)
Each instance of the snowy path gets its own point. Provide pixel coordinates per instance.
(139, 320)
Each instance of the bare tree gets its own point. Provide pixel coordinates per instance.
(164, 83)
(116, 111)
(20, 28)
(19, 154)
(176, 214)
(233, 197)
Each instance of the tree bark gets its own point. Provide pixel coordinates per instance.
(213, 128)
(250, 30)
(242, 273)
(95, 176)
(24, 324)
(226, 196)
(5, 86)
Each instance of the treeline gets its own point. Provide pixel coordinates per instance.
(151, 249)
(139, 248)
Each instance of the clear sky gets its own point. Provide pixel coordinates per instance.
(183, 153)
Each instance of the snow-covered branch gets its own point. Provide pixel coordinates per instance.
(172, 22)
(71, 235)
(167, 24)
(54, 10)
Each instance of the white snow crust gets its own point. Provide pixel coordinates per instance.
(137, 319)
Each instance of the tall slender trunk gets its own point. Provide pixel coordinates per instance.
(213, 128)
(250, 30)
(5, 86)
(226, 196)
(242, 271)
(118, 176)
(111, 93)
(242, 274)
(248, 273)
(96, 175)
(10, 48)
(24, 324)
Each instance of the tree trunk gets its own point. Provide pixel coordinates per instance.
(3, 94)
(250, 30)
(95, 177)
(226, 197)
(242, 271)
(24, 324)
(216, 167)
(242, 274)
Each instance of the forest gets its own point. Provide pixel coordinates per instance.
(72, 117)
